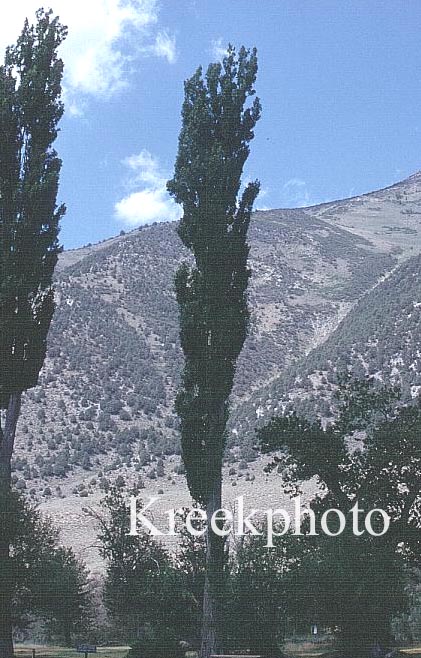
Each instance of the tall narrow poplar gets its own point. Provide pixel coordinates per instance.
(30, 109)
(217, 127)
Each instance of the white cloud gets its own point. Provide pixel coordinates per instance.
(145, 168)
(150, 204)
(295, 194)
(104, 38)
(218, 49)
(165, 47)
(262, 194)
(144, 207)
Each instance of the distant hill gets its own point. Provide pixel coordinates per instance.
(331, 284)
(390, 218)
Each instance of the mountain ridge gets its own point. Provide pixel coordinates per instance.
(104, 405)
(66, 258)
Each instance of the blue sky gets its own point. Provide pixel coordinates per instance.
(339, 82)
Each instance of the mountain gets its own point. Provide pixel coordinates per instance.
(379, 337)
(331, 284)
(389, 218)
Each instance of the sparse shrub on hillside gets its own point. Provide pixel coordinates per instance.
(124, 415)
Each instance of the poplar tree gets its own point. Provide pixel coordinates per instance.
(30, 109)
(217, 127)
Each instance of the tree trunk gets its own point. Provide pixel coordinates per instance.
(67, 635)
(214, 580)
(7, 440)
(6, 643)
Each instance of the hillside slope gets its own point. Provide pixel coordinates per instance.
(337, 279)
(389, 218)
(380, 337)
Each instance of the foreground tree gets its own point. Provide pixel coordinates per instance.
(359, 579)
(146, 592)
(61, 595)
(262, 586)
(30, 109)
(190, 561)
(213, 148)
(49, 582)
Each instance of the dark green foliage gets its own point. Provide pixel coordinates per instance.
(191, 562)
(144, 587)
(259, 594)
(60, 595)
(134, 567)
(360, 589)
(359, 579)
(30, 109)
(407, 627)
(48, 582)
(156, 644)
(213, 147)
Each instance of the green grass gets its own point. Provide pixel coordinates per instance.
(25, 651)
(295, 650)
(311, 650)
(306, 649)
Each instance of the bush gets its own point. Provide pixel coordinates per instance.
(124, 415)
(162, 643)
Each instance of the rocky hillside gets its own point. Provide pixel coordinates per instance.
(380, 337)
(390, 218)
(330, 284)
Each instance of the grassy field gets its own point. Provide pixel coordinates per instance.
(295, 650)
(311, 650)
(306, 649)
(25, 651)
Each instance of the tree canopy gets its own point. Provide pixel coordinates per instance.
(212, 150)
(30, 109)
(370, 454)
